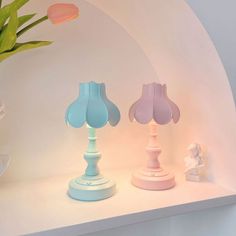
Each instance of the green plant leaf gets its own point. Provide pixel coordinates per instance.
(6, 10)
(30, 26)
(19, 47)
(8, 35)
(23, 19)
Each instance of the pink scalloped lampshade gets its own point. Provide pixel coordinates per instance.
(154, 104)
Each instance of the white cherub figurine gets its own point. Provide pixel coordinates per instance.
(2, 110)
(194, 163)
(4, 159)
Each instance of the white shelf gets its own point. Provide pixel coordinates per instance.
(42, 205)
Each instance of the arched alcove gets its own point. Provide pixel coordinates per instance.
(124, 44)
(131, 44)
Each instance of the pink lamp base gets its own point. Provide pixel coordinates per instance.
(153, 179)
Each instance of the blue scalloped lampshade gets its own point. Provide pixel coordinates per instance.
(92, 107)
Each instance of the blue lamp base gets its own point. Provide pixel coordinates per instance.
(91, 188)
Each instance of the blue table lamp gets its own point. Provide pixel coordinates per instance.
(95, 109)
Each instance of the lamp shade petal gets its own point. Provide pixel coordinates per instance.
(113, 111)
(76, 112)
(73, 117)
(97, 113)
(92, 107)
(143, 108)
(162, 113)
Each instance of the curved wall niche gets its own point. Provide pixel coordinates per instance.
(124, 48)
(125, 44)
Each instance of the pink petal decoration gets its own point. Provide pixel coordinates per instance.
(162, 110)
(61, 12)
(144, 106)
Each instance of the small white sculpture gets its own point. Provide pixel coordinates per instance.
(4, 159)
(2, 110)
(4, 162)
(194, 164)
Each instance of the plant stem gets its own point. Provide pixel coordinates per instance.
(28, 27)
(0, 3)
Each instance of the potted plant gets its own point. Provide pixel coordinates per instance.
(13, 26)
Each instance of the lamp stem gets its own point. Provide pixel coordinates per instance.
(92, 156)
(92, 140)
(152, 148)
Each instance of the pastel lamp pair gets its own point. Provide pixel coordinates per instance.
(153, 107)
(95, 109)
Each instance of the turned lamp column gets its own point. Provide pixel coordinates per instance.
(152, 176)
(152, 149)
(92, 156)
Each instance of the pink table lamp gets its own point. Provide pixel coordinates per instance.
(154, 107)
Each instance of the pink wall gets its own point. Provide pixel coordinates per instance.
(130, 44)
